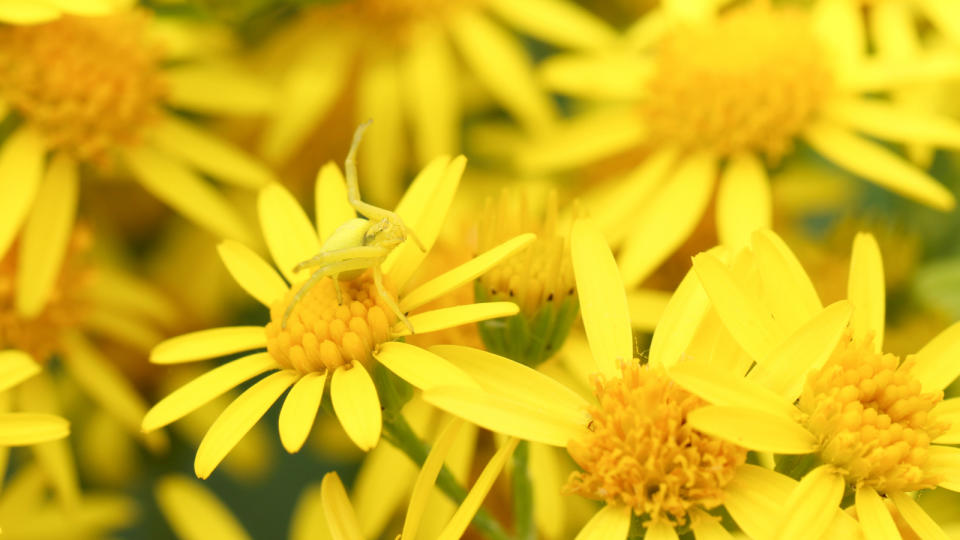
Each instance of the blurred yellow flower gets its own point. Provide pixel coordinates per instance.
(41, 11)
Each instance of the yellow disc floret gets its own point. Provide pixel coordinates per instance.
(747, 81)
(871, 418)
(641, 452)
(89, 84)
(324, 334)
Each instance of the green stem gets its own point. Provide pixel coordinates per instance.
(398, 432)
(522, 493)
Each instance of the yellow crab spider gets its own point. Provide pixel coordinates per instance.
(358, 244)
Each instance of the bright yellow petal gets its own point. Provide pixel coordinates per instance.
(382, 156)
(603, 303)
(180, 187)
(23, 12)
(839, 27)
(502, 65)
(330, 197)
(16, 367)
(668, 218)
(678, 324)
(46, 233)
(754, 429)
(205, 388)
(431, 95)
(375, 501)
(357, 405)
(788, 289)
(21, 168)
(936, 365)
(559, 23)
(209, 153)
(882, 74)
(443, 318)
(866, 290)
(873, 515)
(706, 527)
(812, 505)
(421, 368)
(336, 506)
(211, 343)
(916, 517)
(183, 500)
(287, 230)
(23, 429)
(661, 531)
(948, 411)
(237, 419)
(785, 370)
(547, 475)
(252, 273)
(897, 123)
(729, 389)
(468, 508)
(944, 463)
(743, 200)
(428, 475)
(463, 274)
(307, 522)
(877, 164)
(612, 522)
(647, 307)
(217, 90)
(614, 76)
(754, 498)
(945, 15)
(300, 410)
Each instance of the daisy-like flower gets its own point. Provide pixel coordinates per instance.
(324, 338)
(877, 425)
(405, 64)
(637, 452)
(709, 99)
(92, 94)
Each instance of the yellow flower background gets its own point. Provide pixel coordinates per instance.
(483, 269)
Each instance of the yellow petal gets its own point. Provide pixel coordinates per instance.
(290, 237)
(23, 429)
(668, 218)
(428, 475)
(838, 25)
(300, 410)
(382, 156)
(443, 318)
(944, 463)
(646, 307)
(747, 320)
(612, 522)
(608, 76)
(465, 273)
(754, 498)
(743, 200)
(678, 324)
(182, 500)
(884, 74)
(502, 65)
(175, 184)
(873, 515)
(936, 365)
(376, 500)
(307, 522)
(916, 517)
(499, 375)
(788, 289)
(944, 15)
(330, 195)
(547, 475)
(252, 273)
(729, 389)
(357, 405)
(706, 527)
(21, 168)
(211, 343)
(891, 122)
(812, 505)
(661, 531)
(46, 233)
(336, 507)
(237, 419)
(563, 24)
(421, 368)
(468, 508)
(23, 12)
(205, 388)
(866, 290)
(603, 303)
(217, 89)
(754, 429)
(431, 77)
(785, 370)
(877, 164)
(16, 367)
(948, 411)
(209, 153)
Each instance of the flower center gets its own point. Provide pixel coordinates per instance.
(641, 453)
(871, 418)
(748, 81)
(40, 336)
(88, 83)
(323, 334)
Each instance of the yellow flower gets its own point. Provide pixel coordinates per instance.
(324, 337)
(41, 11)
(23, 429)
(92, 93)
(404, 64)
(633, 443)
(709, 97)
(822, 388)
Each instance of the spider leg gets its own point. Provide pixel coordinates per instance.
(331, 269)
(336, 287)
(342, 254)
(378, 281)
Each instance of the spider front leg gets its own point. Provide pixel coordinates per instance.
(378, 281)
(329, 269)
